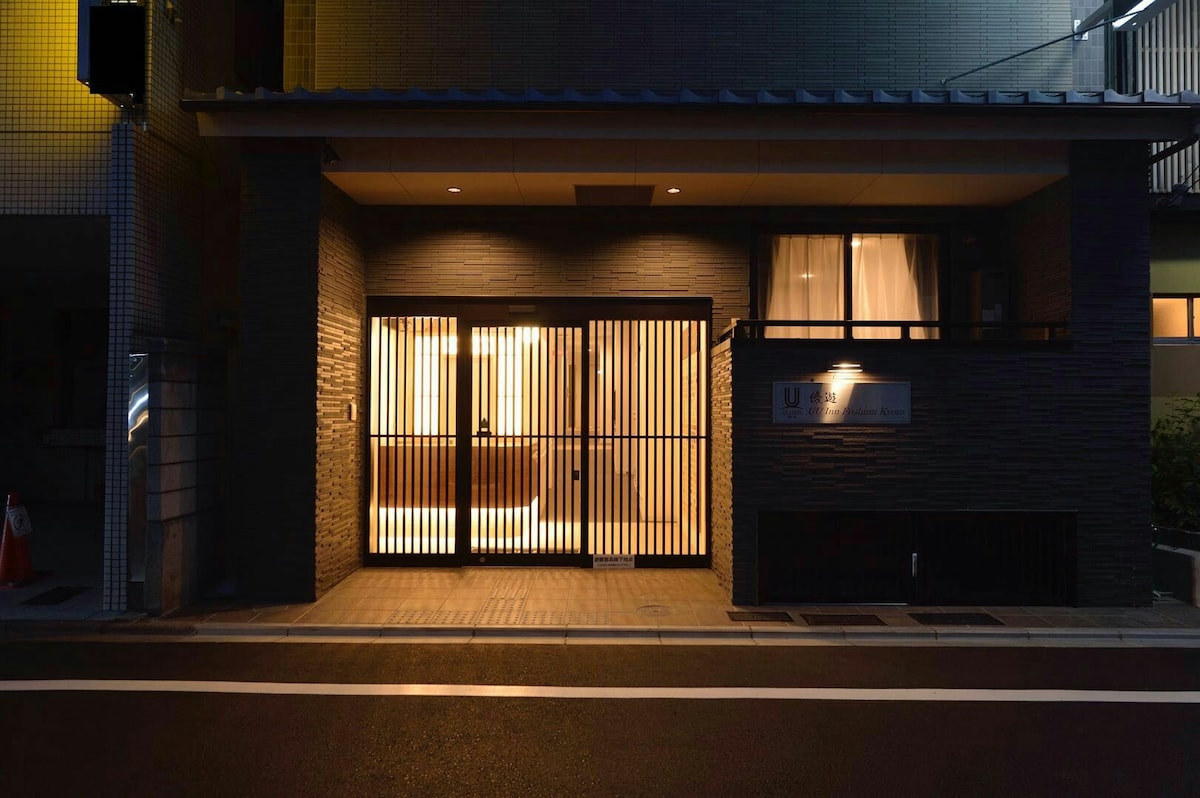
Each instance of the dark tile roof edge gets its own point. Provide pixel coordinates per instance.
(687, 97)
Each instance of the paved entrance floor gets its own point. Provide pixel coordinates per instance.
(497, 602)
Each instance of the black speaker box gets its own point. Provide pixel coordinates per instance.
(117, 52)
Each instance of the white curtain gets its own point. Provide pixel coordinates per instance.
(806, 283)
(895, 278)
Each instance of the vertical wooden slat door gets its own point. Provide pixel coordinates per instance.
(537, 443)
(648, 438)
(412, 434)
(525, 441)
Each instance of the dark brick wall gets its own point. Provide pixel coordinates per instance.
(696, 44)
(274, 442)
(341, 336)
(1038, 233)
(560, 252)
(1110, 317)
(1033, 428)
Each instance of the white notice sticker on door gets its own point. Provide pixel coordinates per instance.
(612, 560)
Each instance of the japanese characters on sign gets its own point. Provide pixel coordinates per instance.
(842, 402)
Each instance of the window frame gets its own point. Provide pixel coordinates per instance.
(1192, 335)
(761, 266)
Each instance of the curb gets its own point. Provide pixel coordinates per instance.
(33, 630)
(42, 629)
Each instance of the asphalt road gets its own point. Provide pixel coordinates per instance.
(176, 744)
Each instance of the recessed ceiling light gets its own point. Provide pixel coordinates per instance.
(454, 190)
(674, 190)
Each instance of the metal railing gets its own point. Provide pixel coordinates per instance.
(931, 332)
(1177, 538)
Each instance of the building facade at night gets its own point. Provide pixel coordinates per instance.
(769, 289)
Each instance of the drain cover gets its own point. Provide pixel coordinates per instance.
(844, 619)
(55, 595)
(955, 619)
(654, 609)
(781, 617)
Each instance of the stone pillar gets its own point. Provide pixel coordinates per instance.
(273, 446)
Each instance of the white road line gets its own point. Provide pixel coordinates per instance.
(548, 691)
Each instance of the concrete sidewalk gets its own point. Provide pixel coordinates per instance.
(573, 605)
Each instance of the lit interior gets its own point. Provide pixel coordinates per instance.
(646, 430)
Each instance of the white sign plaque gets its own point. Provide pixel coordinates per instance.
(842, 402)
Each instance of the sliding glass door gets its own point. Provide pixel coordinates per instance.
(537, 442)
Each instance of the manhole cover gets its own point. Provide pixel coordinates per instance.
(654, 609)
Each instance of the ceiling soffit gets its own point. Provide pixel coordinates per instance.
(381, 171)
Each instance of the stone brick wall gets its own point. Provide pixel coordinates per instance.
(695, 44)
(721, 447)
(560, 252)
(184, 459)
(341, 337)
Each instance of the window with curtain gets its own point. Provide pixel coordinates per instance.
(889, 277)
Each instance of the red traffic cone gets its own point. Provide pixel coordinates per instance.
(16, 568)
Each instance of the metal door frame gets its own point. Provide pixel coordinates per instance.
(466, 328)
(471, 312)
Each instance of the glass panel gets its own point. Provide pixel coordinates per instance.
(648, 437)
(1170, 317)
(412, 435)
(895, 279)
(806, 282)
(524, 446)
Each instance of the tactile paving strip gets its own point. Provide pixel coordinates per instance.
(436, 617)
(575, 618)
(502, 611)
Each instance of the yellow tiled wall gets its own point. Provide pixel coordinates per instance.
(54, 135)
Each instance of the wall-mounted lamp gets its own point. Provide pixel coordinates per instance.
(845, 368)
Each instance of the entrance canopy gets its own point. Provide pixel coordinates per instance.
(609, 148)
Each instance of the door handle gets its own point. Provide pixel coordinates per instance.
(914, 565)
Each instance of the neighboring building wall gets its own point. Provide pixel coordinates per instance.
(708, 44)
(1174, 269)
(1166, 59)
(299, 43)
(154, 288)
(561, 252)
(52, 362)
(54, 173)
(53, 133)
(341, 392)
